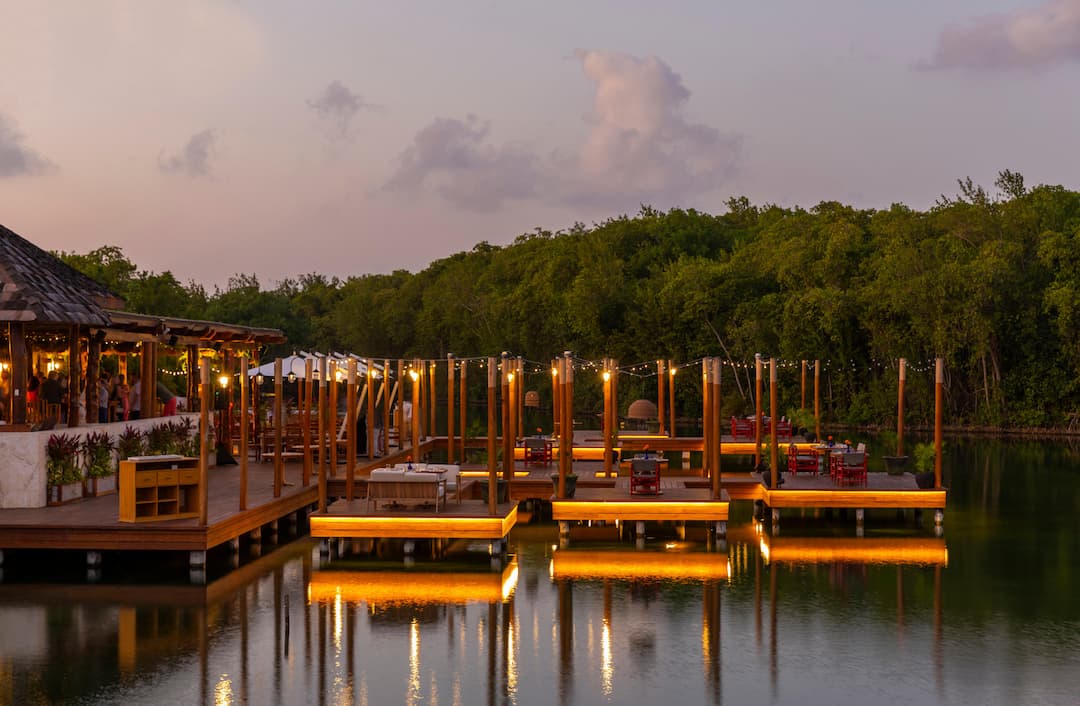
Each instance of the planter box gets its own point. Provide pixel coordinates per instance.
(897, 465)
(63, 494)
(96, 487)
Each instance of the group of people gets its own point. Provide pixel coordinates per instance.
(126, 399)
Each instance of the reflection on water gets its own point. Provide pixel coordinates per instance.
(819, 617)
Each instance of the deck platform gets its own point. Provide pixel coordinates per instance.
(468, 519)
(382, 588)
(882, 490)
(93, 524)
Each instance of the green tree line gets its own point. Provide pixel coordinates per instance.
(988, 281)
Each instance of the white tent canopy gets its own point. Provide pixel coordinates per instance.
(296, 364)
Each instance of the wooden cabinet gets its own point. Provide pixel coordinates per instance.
(158, 488)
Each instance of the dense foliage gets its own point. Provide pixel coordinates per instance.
(989, 283)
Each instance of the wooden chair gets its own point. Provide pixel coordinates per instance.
(644, 476)
(537, 451)
(851, 468)
(801, 461)
(742, 428)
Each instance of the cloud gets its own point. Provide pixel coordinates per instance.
(639, 149)
(337, 105)
(16, 159)
(194, 159)
(451, 156)
(1030, 38)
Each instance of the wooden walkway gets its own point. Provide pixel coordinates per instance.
(92, 523)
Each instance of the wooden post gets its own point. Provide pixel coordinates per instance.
(245, 403)
(556, 399)
(614, 405)
(204, 434)
(417, 413)
(939, 384)
(331, 415)
(492, 431)
(774, 448)
(519, 395)
(706, 422)
(900, 408)
(387, 392)
(279, 426)
(399, 414)
(757, 410)
(309, 370)
(817, 401)
(671, 397)
(192, 378)
(432, 428)
(507, 441)
(660, 406)
(350, 430)
(370, 409)
(717, 433)
(802, 387)
(324, 443)
(607, 417)
(568, 417)
(463, 402)
(93, 376)
(565, 451)
(449, 407)
(74, 375)
(18, 356)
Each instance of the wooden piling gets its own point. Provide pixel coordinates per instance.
(492, 431)
(245, 403)
(939, 385)
(204, 436)
(449, 407)
(660, 406)
(279, 424)
(757, 410)
(900, 408)
(774, 448)
(350, 428)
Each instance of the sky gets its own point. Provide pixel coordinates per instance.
(280, 138)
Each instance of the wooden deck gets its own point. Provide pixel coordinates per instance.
(468, 519)
(93, 524)
(675, 502)
(806, 491)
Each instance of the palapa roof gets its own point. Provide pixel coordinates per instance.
(37, 286)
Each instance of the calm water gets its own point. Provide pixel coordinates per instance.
(812, 616)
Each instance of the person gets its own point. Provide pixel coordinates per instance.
(120, 394)
(50, 390)
(135, 398)
(5, 393)
(103, 398)
(32, 388)
(168, 400)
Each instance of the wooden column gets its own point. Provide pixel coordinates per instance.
(939, 385)
(417, 413)
(463, 402)
(817, 400)
(432, 388)
(309, 378)
(660, 406)
(614, 405)
(507, 442)
(607, 417)
(370, 409)
(399, 414)
(556, 398)
(350, 429)
(568, 416)
(757, 410)
(774, 448)
(900, 408)
(513, 381)
(245, 404)
(671, 396)
(93, 373)
(18, 355)
(279, 425)
(519, 396)
(717, 425)
(149, 384)
(387, 393)
(204, 439)
(706, 421)
(492, 432)
(802, 387)
(192, 378)
(324, 443)
(74, 375)
(449, 407)
(331, 415)
(564, 448)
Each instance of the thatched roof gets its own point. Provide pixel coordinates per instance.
(36, 286)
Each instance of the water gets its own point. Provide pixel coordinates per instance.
(1000, 624)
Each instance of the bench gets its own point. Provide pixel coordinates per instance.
(401, 486)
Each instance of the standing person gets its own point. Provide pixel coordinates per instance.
(121, 394)
(103, 398)
(135, 398)
(168, 400)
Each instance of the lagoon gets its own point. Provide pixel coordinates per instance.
(987, 614)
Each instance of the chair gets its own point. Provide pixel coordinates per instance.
(537, 451)
(644, 476)
(742, 428)
(851, 468)
(801, 461)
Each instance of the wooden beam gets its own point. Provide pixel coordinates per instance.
(492, 430)
(350, 429)
(449, 407)
(279, 425)
(204, 441)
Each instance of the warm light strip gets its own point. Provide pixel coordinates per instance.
(644, 510)
(815, 550)
(413, 587)
(413, 527)
(484, 474)
(866, 498)
(567, 564)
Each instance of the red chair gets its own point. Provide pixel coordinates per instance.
(644, 476)
(538, 451)
(801, 461)
(851, 468)
(742, 428)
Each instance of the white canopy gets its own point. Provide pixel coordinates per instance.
(296, 364)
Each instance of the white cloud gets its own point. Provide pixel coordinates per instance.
(16, 159)
(639, 149)
(1023, 39)
(194, 159)
(337, 105)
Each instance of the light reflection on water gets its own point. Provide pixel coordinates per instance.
(811, 616)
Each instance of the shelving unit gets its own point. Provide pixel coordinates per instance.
(158, 488)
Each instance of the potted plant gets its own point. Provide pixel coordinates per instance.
(129, 443)
(894, 465)
(571, 483)
(62, 468)
(924, 464)
(97, 448)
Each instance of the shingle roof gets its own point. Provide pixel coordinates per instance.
(36, 286)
